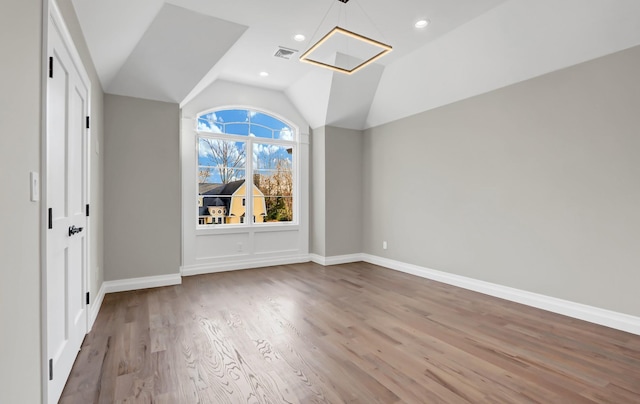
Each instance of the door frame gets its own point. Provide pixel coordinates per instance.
(51, 15)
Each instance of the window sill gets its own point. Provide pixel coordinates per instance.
(236, 229)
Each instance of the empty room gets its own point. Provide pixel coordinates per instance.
(329, 201)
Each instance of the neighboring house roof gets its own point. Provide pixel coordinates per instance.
(217, 202)
(220, 195)
(206, 187)
(224, 189)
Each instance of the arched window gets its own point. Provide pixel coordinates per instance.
(226, 140)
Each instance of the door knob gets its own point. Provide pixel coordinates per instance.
(73, 230)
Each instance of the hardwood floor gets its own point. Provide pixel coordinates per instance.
(353, 333)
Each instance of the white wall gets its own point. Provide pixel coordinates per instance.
(534, 186)
(210, 250)
(142, 188)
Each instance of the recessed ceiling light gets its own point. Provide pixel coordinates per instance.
(264, 74)
(422, 23)
(299, 37)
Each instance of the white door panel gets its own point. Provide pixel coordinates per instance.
(66, 269)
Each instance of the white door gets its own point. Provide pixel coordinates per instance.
(66, 241)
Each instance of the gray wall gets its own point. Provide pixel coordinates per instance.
(20, 45)
(142, 188)
(343, 170)
(317, 193)
(533, 186)
(336, 191)
(20, 143)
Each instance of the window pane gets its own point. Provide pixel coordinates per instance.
(208, 123)
(279, 209)
(217, 175)
(221, 181)
(273, 181)
(222, 203)
(261, 131)
(267, 120)
(232, 116)
(237, 129)
(285, 133)
(208, 126)
(217, 152)
(268, 156)
(211, 117)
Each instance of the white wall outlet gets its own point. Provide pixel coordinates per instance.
(34, 179)
(384, 245)
(239, 247)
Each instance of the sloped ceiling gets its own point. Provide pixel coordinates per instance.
(351, 96)
(172, 50)
(175, 52)
(513, 42)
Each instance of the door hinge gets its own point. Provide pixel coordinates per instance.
(50, 218)
(87, 212)
(88, 299)
(88, 121)
(50, 369)
(51, 67)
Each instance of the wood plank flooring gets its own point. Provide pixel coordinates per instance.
(354, 333)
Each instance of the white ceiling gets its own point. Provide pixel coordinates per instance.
(172, 50)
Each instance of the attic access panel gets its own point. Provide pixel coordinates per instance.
(359, 49)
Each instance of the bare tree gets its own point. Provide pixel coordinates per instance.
(277, 186)
(227, 157)
(203, 174)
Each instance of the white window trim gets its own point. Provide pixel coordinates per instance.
(250, 141)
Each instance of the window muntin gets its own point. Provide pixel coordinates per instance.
(245, 123)
(225, 137)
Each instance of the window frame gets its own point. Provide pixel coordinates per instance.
(249, 142)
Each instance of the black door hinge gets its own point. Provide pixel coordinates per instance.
(87, 211)
(88, 295)
(51, 67)
(50, 369)
(88, 121)
(50, 218)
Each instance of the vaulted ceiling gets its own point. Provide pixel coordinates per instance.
(171, 50)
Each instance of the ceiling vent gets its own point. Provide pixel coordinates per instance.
(285, 53)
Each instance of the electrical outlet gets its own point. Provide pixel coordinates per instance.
(384, 245)
(239, 247)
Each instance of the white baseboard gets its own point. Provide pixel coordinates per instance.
(210, 268)
(608, 318)
(336, 259)
(95, 306)
(125, 285)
